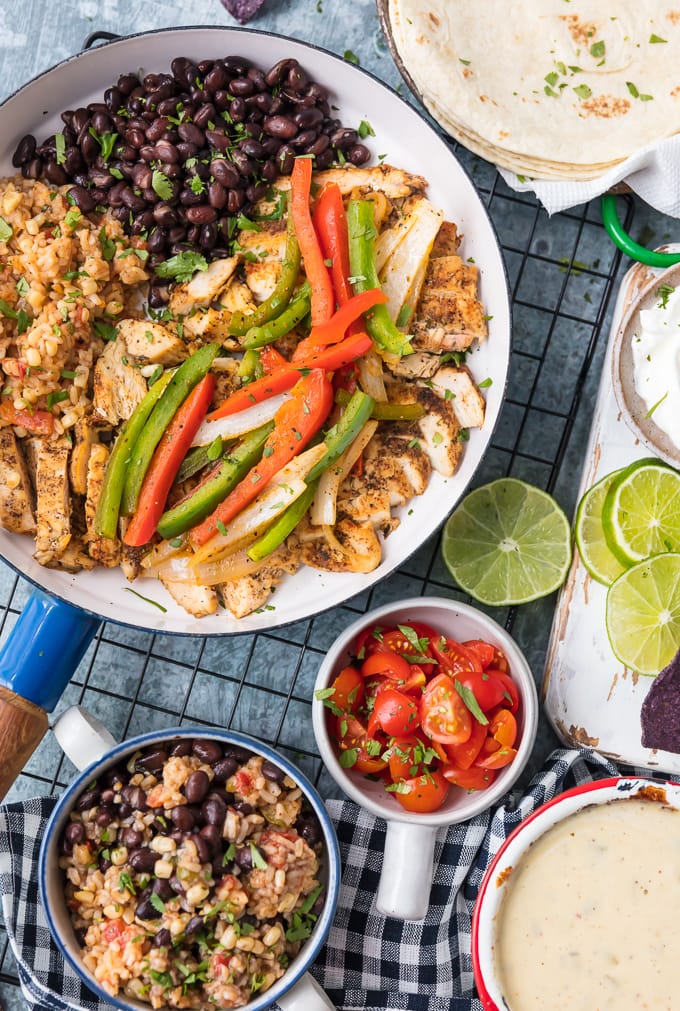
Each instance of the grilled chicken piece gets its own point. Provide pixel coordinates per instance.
(118, 386)
(74, 558)
(53, 505)
(395, 468)
(419, 365)
(449, 316)
(393, 182)
(354, 548)
(204, 286)
(104, 550)
(212, 326)
(465, 399)
(437, 432)
(243, 596)
(16, 492)
(268, 246)
(152, 342)
(237, 297)
(85, 435)
(448, 240)
(199, 601)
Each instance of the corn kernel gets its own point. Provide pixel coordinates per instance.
(163, 844)
(196, 894)
(33, 357)
(164, 869)
(51, 347)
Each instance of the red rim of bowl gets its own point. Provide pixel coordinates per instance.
(597, 784)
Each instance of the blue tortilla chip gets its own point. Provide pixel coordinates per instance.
(242, 10)
(660, 714)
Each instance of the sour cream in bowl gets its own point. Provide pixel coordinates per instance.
(577, 910)
(646, 366)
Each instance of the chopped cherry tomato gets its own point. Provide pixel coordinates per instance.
(503, 727)
(398, 642)
(484, 650)
(114, 930)
(443, 715)
(406, 757)
(497, 759)
(469, 779)
(453, 657)
(486, 689)
(463, 755)
(395, 713)
(353, 736)
(500, 661)
(511, 694)
(348, 690)
(425, 793)
(386, 662)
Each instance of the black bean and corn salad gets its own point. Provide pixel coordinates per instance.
(192, 874)
(178, 156)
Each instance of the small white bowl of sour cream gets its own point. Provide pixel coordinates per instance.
(646, 366)
(579, 907)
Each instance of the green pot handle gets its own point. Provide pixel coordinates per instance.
(622, 239)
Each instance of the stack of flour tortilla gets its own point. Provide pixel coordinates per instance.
(551, 89)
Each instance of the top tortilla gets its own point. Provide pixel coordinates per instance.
(579, 84)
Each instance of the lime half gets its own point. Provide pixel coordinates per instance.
(643, 614)
(591, 542)
(641, 512)
(507, 543)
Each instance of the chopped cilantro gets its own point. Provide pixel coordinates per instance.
(183, 266)
(5, 230)
(222, 528)
(105, 330)
(351, 57)
(365, 129)
(162, 186)
(583, 91)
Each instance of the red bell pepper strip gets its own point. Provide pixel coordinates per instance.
(328, 359)
(319, 279)
(271, 360)
(334, 330)
(295, 423)
(37, 422)
(331, 227)
(166, 461)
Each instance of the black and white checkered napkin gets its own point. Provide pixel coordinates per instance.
(369, 962)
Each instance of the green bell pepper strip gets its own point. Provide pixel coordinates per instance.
(337, 439)
(258, 336)
(210, 492)
(182, 383)
(283, 526)
(361, 229)
(108, 507)
(387, 412)
(241, 322)
(251, 366)
(198, 458)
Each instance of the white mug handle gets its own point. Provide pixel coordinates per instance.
(305, 995)
(406, 876)
(82, 737)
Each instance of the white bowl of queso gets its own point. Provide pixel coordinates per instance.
(578, 910)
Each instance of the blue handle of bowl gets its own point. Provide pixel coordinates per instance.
(44, 648)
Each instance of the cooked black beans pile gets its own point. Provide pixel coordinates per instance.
(176, 156)
(202, 817)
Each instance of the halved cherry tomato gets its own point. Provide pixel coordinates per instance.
(352, 735)
(394, 713)
(463, 755)
(404, 758)
(348, 690)
(453, 657)
(443, 714)
(497, 759)
(511, 695)
(500, 661)
(398, 642)
(484, 650)
(425, 793)
(486, 689)
(384, 661)
(503, 727)
(469, 779)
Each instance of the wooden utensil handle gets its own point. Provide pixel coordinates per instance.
(22, 728)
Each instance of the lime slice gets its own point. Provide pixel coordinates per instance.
(641, 512)
(507, 543)
(590, 539)
(643, 614)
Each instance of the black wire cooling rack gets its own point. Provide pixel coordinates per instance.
(562, 272)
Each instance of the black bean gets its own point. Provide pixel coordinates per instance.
(166, 217)
(167, 152)
(222, 100)
(88, 800)
(161, 887)
(115, 194)
(344, 138)
(125, 151)
(135, 797)
(224, 172)
(303, 140)
(157, 240)
(205, 115)
(108, 796)
(243, 807)
(225, 768)
(251, 147)
(285, 160)
(177, 233)
(142, 859)
(148, 152)
(238, 110)
(98, 195)
(280, 126)
(82, 198)
(176, 885)
(279, 71)
(25, 150)
(193, 234)
(112, 99)
(257, 77)
(241, 87)
(188, 198)
(81, 934)
(235, 201)
(310, 830)
(240, 754)
(124, 810)
(73, 161)
(159, 296)
(325, 159)
(208, 237)
(155, 759)
(127, 83)
(207, 751)
(101, 123)
(135, 138)
(133, 201)
(75, 832)
(214, 811)
(146, 910)
(203, 215)
(131, 837)
(359, 154)
(244, 858)
(80, 120)
(269, 171)
(321, 144)
(66, 846)
(163, 939)
(182, 817)
(216, 79)
(101, 179)
(218, 140)
(104, 864)
(212, 836)
(105, 816)
(121, 214)
(191, 134)
(217, 197)
(256, 192)
(273, 772)
(297, 79)
(193, 926)
(202, 849)
(243, 163)
(196, 786)
(271, 146)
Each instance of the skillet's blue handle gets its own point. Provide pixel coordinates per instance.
(44, 648)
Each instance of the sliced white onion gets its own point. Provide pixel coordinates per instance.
(160, 553)
(238, 424)
(371, 377)
(180, 569)
(324, 506)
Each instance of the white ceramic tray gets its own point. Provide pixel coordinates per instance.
(589, 697)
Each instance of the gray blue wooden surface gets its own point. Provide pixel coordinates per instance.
(558, 312)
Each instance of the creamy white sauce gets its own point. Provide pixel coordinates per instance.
(656, 362)
(590, 920)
